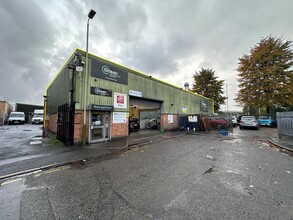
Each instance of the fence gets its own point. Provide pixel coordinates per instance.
(285, 124)
(65, 124)
(200, 123)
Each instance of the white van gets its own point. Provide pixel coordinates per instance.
(16, 118)
(38, 116)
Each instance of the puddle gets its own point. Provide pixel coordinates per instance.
(3, 129)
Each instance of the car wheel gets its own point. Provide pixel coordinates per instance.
(240, 127)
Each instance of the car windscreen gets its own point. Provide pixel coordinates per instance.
(263, 117)
(247, 118)
(16, 115)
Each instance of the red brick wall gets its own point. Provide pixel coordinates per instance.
(2, 107)
(119, 130)
(169, 126)
(5, 107)
(78, 126)
(52, 123)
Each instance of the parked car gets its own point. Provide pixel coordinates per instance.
(16, 118)
(268, 121)
(38, 116)
(234, 120)
(248, 122)
(219, 123)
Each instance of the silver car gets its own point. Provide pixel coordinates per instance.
(248, 122)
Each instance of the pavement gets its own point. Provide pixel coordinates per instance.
(78, 154)
(283, 143)
(67, 155)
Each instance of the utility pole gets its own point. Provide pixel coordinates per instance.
(90, 16)
(227, 97)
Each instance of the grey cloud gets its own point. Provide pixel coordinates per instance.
(152, 36)
(121, 22)
(26, 34)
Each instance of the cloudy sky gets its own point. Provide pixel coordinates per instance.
(168, 39)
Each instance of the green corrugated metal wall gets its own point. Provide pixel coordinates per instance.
(174, 99)
(58, 92)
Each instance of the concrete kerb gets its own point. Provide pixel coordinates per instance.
(281, 147)
(55, 165)
(94, 158)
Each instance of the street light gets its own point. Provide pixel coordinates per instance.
(90, 16)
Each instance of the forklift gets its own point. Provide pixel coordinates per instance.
(133, 118)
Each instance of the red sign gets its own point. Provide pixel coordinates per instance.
(120, 99)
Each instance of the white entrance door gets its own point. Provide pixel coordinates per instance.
(99, 126)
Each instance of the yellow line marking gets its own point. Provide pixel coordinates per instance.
(11, 181)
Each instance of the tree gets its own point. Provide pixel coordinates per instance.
(266, 77)
(208, 85)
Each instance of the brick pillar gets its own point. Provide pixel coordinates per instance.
(119, 130)
(166, 124)
(52, 123)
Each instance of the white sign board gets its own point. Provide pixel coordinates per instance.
(170, 119)
(79, 68)
(120, 100)
(119, 117)
(192, 118)
(135, 93)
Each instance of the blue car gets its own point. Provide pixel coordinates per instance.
(267, 121)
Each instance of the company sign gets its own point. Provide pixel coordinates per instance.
(101, 92)
(101, 107)
(109, 72)
(120, 100)
(135, 93)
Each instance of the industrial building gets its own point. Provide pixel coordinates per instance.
(100, 105)
(28, 110)
(5, 110)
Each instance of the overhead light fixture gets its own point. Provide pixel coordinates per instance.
(91, 14)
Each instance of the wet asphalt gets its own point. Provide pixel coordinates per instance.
(23, 149)
(22, 145)
(202, 176)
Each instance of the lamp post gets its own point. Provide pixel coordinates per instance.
(90, 16)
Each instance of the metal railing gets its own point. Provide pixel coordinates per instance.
(285, 124)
